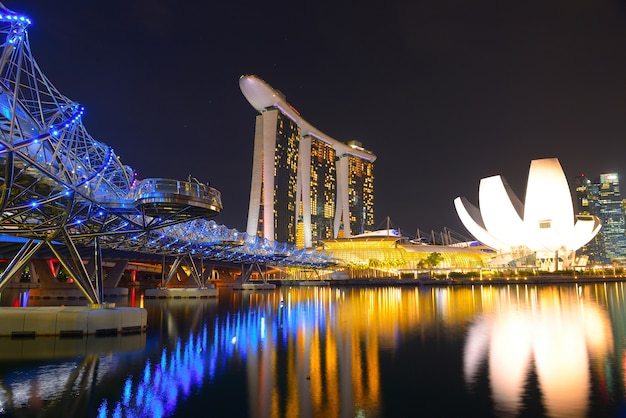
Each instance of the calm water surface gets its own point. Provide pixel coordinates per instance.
(483, 351)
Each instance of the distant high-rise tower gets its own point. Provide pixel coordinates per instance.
(601, 197)
(306, 186)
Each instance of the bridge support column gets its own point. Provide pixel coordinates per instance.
(99, 279)
(115, 274)
(246, 274)
(20, 260)
(79, 273)
(173, 270)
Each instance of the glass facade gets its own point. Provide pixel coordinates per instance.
(588, 205)
(323, 190)
(361, 195)
(389, 256)
(601, 197)
(311, 186)
(285, 179)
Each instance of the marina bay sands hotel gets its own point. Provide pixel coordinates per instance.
(306, 186)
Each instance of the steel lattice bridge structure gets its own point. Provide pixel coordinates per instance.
(61, 188)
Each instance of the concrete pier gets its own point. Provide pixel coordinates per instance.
(71, 321)
(250, 286)
(181, 293)
(311, 283)
(73, 293)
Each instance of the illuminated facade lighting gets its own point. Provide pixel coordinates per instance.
(602, 198)
(302, 179)
(540, 232)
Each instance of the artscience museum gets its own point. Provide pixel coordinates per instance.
(541, 232)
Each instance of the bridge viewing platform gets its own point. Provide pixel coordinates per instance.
(160, 197)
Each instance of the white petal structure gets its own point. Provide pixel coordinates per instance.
(545, 224)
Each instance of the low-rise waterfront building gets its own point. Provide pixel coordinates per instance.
(373, 256)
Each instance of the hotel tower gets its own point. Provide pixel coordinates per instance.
(306, 186)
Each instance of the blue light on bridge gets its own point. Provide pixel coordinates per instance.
(16, 18)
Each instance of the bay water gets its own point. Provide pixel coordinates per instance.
(326, 351)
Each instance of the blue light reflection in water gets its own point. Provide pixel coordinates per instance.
(371, 352)
(161, 386)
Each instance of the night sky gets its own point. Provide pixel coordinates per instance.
(444, 92)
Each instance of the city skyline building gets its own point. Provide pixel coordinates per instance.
(306, 186)
(601, 197)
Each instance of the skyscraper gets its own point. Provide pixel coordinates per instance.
(601, 197)
(306, 186)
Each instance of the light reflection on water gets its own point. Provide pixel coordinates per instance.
(553, 331)
(330, 352)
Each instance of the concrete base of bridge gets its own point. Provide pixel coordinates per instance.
(180, 293)
(307, 283)
(248, 285)
(71, 321)
(73, 293)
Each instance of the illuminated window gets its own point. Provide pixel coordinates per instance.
(545, 224)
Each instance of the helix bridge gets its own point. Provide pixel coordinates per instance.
(62, 189)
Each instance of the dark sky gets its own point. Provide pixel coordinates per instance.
(444, 92)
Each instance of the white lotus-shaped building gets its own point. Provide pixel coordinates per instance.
(544, 226)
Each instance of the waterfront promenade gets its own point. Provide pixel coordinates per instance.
(467, 281)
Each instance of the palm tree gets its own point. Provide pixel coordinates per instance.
(431, 261)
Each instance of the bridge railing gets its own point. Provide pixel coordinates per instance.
(161, 187)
